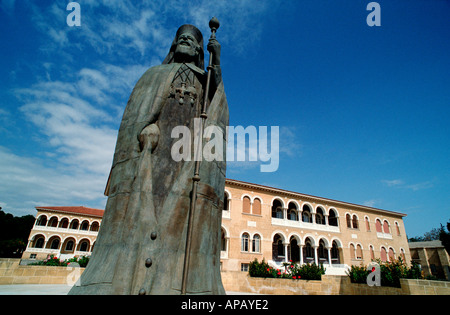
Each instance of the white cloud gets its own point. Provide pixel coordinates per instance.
(420, 186)
(76, 107)
(125, 28)
(27, 182)
(401, 184)
(392, 183)
(370, 203)
(76, 121)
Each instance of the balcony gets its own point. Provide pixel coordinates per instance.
(63, 230)
(305, 225)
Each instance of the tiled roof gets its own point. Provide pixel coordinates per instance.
(76, 210)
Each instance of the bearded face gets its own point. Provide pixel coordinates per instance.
(187, 49)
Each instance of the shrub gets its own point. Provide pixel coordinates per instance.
(52, 260)
(82, 261)
(262, 270)
(390, 272)
(358, 274)
(291, 271)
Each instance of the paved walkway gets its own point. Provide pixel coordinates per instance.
(53, 289)
(34, 289)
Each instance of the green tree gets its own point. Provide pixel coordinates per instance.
(444, 237)
(14, 232)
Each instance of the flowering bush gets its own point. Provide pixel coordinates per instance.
(390, 272)
(81, 261)
(52, 260)
(291, 271)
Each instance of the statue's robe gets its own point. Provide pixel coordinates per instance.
(140, 247)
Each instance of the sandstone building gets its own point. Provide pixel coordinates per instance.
(257, 222)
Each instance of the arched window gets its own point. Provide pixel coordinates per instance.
(84, 226)
(69, 246)
(308, 249)
(55, 244)
(386, 227)
(244, 242)
(246, 204)
(306, 214)
(277, 209)
(355, 221)
(378, 226)
(256, 243)
(42, 221)
(53, 222)
(397, 227)
(320, 217)
(64, 223)
(352, 251)
(391, 254)
(95, 226)
(372, 253)
(74, 224)
(225, 202)
(294, 250)
(257, 206)
(223, 241)
(348, 218)
(335, 253)
(402, 254)
(367, 224)
(332, 218)
(84, 246)
(323, 253)
(277, 247)
(292, 212)
(39, 243)
(292, 215)
(359, 254)
(383, 254)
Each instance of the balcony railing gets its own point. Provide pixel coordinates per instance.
(305, 225)
(63, 230)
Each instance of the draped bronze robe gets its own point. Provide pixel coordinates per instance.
(140, 247)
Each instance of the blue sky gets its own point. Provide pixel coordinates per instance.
(363, 111)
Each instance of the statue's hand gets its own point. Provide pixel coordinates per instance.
(149, 137)
(214, 48)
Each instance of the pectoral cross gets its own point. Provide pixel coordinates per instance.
(184, 91)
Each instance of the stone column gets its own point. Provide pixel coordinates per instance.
(329, 255)
(443, 257)
(301, 254)
(316, 256)
(424, 264)
(286, 252)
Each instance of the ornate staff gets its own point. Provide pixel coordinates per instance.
(213, 25)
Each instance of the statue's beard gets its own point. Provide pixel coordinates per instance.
(185, 54)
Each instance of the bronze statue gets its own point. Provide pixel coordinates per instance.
(161, 229)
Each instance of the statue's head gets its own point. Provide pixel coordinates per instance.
(187, 46)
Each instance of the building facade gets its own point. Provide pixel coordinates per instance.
(432, 258)
(281, 226)
(258, 222)
(64, 232)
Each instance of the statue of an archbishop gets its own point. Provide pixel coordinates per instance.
(140, 248)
